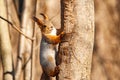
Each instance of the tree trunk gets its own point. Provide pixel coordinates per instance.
(25, 52)
(75, 56)
(5, 45)
(14, 35)
(106, 57)
(27, 25)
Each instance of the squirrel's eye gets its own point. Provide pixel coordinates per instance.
(44, 26)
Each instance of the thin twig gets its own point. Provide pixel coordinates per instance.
(16, 28)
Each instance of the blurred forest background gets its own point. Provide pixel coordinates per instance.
(106, 54)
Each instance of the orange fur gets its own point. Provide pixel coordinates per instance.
(53, 39)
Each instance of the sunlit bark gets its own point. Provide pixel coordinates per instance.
(76, 54)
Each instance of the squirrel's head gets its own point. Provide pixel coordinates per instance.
(46, 26)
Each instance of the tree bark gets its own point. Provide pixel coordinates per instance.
(75, 56)
(5, 44)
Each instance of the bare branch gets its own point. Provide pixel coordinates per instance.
(16, 28)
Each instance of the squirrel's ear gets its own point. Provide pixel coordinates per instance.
(45, 16)
(39, 22)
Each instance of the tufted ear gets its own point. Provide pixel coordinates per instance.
(39, 22)
(45, 16)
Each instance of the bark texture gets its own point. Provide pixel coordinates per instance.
(75, 56)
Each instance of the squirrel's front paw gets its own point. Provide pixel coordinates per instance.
(55, 72)
(62, 34)
(57, 69)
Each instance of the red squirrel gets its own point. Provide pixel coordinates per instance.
(48, 47)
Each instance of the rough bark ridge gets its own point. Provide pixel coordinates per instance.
(75, 55)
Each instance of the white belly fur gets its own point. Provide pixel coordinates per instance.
(48, 50)
(45, 52)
